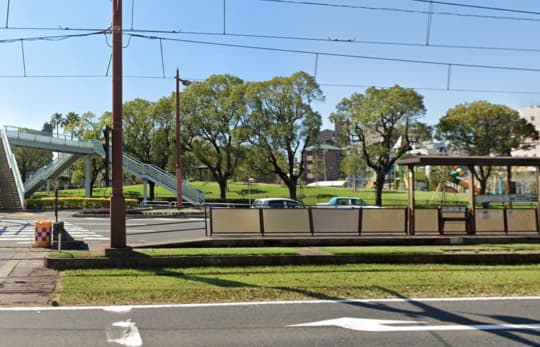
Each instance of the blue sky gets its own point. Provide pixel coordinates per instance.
(70, 75)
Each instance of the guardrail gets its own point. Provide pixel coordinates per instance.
(48, 141)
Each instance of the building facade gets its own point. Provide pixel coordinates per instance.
(532, 115)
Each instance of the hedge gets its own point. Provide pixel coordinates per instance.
(45, 203)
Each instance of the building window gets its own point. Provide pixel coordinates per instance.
(532, 118)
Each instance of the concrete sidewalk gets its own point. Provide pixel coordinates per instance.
(23, 278)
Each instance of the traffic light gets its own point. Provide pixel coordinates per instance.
(105, 143)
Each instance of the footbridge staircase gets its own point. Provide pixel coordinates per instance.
(70, 150)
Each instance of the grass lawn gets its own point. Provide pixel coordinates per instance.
(189, 285)
(309, 195)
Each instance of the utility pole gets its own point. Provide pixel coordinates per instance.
(118, 212)
(179, 180)
(178, 145)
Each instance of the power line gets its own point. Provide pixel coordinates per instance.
(55, 37)
(286, 37)
(403, 10)
(314, 53)
(7, 14)
(322, 84)
(459, 90)
(351, 40)
(89, 76)
(342, 55)
(500, 9)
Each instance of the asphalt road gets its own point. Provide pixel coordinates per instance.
(431, 322)
(17, 229)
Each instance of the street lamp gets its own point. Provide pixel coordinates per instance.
(178, 138)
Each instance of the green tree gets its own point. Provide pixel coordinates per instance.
(89, 128)
(376, 120)
(255, 165)
(282, 123)
(138, 131)
(163, 151)
(354, 166)
(213, 112)
(483, 128)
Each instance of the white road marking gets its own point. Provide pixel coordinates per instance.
(382, 325)
(129, 334)
(118, 309)
(264, 303)
(12, 232)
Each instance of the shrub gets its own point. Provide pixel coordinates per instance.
(45, 203)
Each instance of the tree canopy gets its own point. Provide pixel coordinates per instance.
(383, 123)
(282, 123)
(483, 128)
(213, 112)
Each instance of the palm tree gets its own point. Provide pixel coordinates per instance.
(71, 122)
(56, 121)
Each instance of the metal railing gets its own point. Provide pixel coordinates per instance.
(51, 170)
(159, 176)
(37, 139)
(12, 163)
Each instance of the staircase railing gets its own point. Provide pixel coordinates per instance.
(52, 169)
(161, 177)
(12, 163)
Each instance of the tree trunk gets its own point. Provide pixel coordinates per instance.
(292, 189)
(379, 186)
(222, 189)
(509, 180)
(483, 186)
(152, 187)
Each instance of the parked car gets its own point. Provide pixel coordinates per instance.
(277, 203)
(346, 201)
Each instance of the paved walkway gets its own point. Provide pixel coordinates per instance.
(23, 278)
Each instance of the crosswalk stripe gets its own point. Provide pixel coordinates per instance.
(11, 231)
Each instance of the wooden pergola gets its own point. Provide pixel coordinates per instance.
(470, 163)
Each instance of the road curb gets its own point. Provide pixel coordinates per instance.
(141, 261)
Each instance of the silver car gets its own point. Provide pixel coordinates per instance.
(277, 203)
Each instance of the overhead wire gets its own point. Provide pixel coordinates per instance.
(322, 84)
(414, 11)
(429, 21)
(54, 37)
(224, 17)
(7, 14)
(136, 33)
(132, 12)
(317, 53)
(23, 57)
(342, 55)
(298, 38)
(481, 7)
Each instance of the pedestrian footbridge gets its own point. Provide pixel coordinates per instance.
(14, 191)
